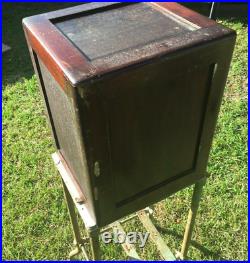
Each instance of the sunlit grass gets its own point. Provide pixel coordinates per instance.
(35, 220)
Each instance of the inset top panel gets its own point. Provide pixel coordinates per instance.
(112, 30)
(90, 40)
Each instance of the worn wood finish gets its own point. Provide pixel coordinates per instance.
(141, 124)
(64, 116)
(67, 63)
(143, 26)
(135, 120)
(83, 209)
(69, 179)
(140, 130)
(58, 60)
(186, 13)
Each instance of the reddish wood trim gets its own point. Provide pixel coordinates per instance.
(64, 61)
(186, 13)
(166, 47)
(68, 65)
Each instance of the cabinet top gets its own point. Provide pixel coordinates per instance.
(86, 41)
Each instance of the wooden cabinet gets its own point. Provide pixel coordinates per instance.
(133, 93)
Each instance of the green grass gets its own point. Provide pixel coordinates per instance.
(35, 220)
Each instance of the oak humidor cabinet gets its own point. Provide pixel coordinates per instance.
(132, 93)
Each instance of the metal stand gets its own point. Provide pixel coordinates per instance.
(214, 10)
(191, 218)
(143, 215)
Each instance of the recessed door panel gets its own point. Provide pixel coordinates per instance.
(154, 128)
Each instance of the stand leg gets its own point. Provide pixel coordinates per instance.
(73, 219)
(214, 10)
(191, 217)
(93, 233)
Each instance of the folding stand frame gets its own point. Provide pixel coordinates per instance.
(143, 215)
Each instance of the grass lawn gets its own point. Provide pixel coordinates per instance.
(35, 220)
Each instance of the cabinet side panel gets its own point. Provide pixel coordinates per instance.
(62, 111)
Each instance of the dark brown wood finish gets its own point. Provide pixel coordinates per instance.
(134, 120)
(64, 62)
(67, 63)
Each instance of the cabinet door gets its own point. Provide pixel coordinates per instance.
(151, 126)
(155, 117)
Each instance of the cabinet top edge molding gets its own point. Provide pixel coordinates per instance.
(85, 42)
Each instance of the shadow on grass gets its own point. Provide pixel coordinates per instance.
(17, 63)
(206, 252)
